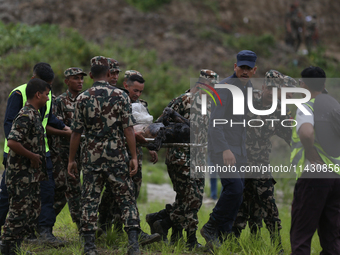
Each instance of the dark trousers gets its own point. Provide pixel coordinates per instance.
(47, 216)
(230, 200)
(4, 205)
(316, 206)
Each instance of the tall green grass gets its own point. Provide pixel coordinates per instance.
(115, 243)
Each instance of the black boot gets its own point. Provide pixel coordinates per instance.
(236, 231)
(192, 240)
(151, 218)
(47, 237)
(5, 247)
(89, 246)
(176, 234)
(210, 233)
(12, 247)
(133, 242)
(144, 238)
(162, 227)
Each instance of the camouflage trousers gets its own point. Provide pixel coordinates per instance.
(258, 204)
(118, 180)
(108, 208)
(67, 189)
(189, 196)
(24, 209)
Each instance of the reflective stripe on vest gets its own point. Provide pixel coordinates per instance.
(22, 90)
(297, 156)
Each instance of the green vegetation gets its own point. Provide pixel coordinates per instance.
(259, 44)
(22, 46)
(115, 243)
(147, 5)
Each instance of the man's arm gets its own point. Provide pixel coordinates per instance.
(74, 145)
(306, 134)
(21, 150)
(66, 131)
(131, 142)
(14, 104)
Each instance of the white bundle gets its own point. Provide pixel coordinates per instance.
(140, 113)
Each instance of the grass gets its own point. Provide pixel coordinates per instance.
(116, 243)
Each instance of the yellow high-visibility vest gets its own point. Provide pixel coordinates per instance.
(297, 156)
(22, 90)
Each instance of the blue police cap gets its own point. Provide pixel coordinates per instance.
(246, 58)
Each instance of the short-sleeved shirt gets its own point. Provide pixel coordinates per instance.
(258, 142)
(103, 112)
(302, 118)
(26, 129)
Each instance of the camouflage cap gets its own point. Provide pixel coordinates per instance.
(74, 71)
(100, 61)
(273, 78)
(114, 65)
(210, 75)
(128, 73)
(289, 81)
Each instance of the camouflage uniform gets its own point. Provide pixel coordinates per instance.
(189, 191)
(23, 182)
(258, 195)
(67, 188)
(102, 112)
(107, 208)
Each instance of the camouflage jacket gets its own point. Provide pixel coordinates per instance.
(258, 143)
(102, 112)
(179, 155)
(198, 135)
(65, 111)
(26, 129)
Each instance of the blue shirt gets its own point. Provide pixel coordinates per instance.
(224, 137)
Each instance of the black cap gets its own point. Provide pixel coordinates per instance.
(246, 58)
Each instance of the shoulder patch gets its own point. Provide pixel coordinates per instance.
(18, 92)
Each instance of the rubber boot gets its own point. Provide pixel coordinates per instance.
(89, 246)
(176, 234)
(133, 242)
(144, 238)
(162, 227)
(47, 237)
(236, 231)
(12, 247)
(192, 242)
(153, 217)
(210, 233)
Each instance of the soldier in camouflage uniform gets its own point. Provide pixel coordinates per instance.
(258, 195)
(67, 188)
(26, 167)
(134, 86)
(182, 214)
(104, 114)
(114, 72)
